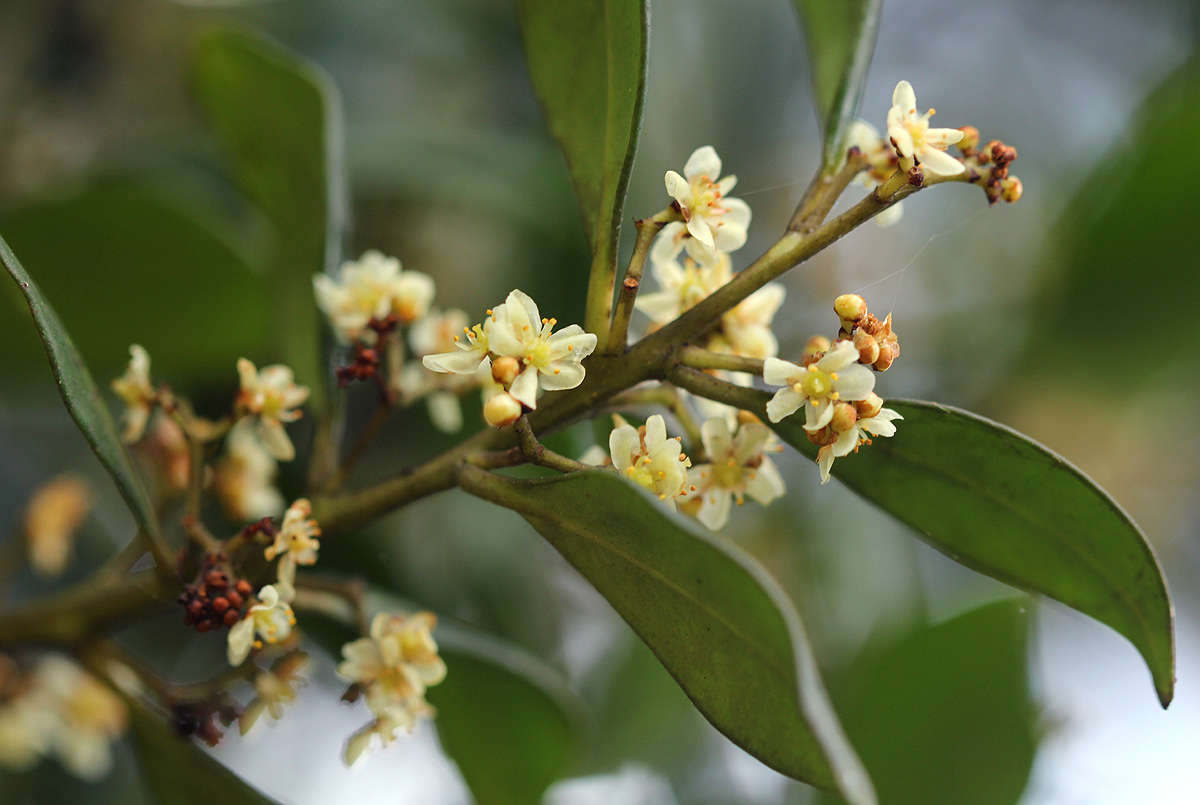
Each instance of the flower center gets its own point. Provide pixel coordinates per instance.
(539, 354)
(728, 475)
(816, 385)
(705, 195)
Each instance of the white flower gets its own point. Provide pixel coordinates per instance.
(848, 440)
(271, 619)
(747, 327)
(465, 358)
(681, 287)
(881, 163)
(437, 331)
(737, 466)
(87, 716)
(648, 458)
(395, 664)
(244, 478)
(913, 138)
(135, 390)
(714, 220)
(53, 516)
(296, 542)
(551, 360)
(272, 395)
(373, 287)
(25, 731)
(837, 375)
(274, 689)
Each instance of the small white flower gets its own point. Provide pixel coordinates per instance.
(437, 331)
(747, 327)
(135, 390)
(648, 458)
(681, 287)
(737, 466)
(271, 619)
(837, 375)
(373, 287)
(395, 664)
(913, 137)
(244, 478)
(87, 717)
(296, 542)
(26, 726)
(551, 360)
(272, 395)
(274, 689)
(54, 515)
(881, 163)
(469, 352)
(847, 441)
(713, 219)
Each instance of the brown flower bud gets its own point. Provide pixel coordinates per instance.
(817, 345)
(887, 354)
(867, 346)
(821, 437)
(505, 370)
(850, 308)
(969, 141)
(868, 406)
(502, 409)
(844, 417)
(747, 418)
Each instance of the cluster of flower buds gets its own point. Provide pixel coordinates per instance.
(200, 719)
(988, 166)
(877, 344)
(216, 598)
(516, 351)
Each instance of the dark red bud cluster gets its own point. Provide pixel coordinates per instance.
(364, 366)
(200, 720)
(1000, 156)
(266, 526)
(215, 599)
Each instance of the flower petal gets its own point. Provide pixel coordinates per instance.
(275, 439)
(699, 229)
(765, 484)
(656, 432)
(939, 162)
(459, 362)
(560, 375)
(623, 443)
(678, 188)
(730, 236)
(779, 372)
(718, 442)
(904, 97)
(714, 508)
(703, 162)
(524, 388)
(854, 382)
(784, 403)
(817, 416)
(842, 354)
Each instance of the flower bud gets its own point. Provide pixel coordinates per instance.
(887, 354)
(817, 345)
(970, 139)
(868, 406)
(747, 418)
(867, 346)
(1010, 189)
(844, 417)
(502, 409)
(850, 307)
(505, 370)
(821, 437)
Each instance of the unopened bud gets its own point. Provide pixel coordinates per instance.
(868, 406)
(1010, 189)
(844, 417)
(821, 437)
(745, 417)
(505, 370)
(850, 307)
(867, 346)
(817, 345)
(502, 409)
(887, 354)
(970, 139)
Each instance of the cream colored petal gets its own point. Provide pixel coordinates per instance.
(904, 97)
(840, 355)
(703, 162)
(817, 416)
(459, 362)
(275, 439)
(863, 136)
(845, 443)
(560, 375)
(445, 411)
(726, 185)
(247, 374)
(779, 373)
(783, 404)
(854, 382)
(825, 462)
(891, 215)
(699, 229)
(939, 162)
(136, 417)
(730, 236)
(765, 484)
(571, 343)
(714, 509)
(750, 440)
(678, 188)
(737, 213)
(718, 442)
(656, 432)
(942, 138)
(524, 388)
(904, 141)
(241, 638)
(623, 443)
(661, 307)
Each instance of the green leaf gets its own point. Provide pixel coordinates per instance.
(1002, 504)
(279, 120)
(714, 618)
(507, 719)
(81, 396)
(179, 772)
(588, 65)
(841, 39)
(138, 265)
(956, 691)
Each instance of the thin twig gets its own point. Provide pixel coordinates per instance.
(647, 228)
(823, 193)
(699, 358)
(365, 439)
(537, 453)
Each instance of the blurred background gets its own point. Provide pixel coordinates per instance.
(1064, 316)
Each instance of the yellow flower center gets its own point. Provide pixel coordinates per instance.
(728, 475)
(539, 354)
(817, 385)
(705, 195)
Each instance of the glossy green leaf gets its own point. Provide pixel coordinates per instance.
(279, 120)
(840, 35)
(81, 396)
(138, 265)
(1002, 504)
(588, 65)
(507, 719)
(955, 693)
(716, 620)
(179, 772)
